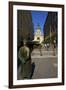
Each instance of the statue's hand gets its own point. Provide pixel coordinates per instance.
(23, 61)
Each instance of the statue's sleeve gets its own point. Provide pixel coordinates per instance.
(27, 52)
(20, 56)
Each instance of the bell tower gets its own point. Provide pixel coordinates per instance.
(38, 35)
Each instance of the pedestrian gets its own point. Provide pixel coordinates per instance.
(40, 46)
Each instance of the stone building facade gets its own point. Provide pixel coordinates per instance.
(24, 26)
(51, 28)
(38, 36)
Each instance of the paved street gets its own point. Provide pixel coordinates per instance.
(45, 65)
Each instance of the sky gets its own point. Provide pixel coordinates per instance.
(39, 17)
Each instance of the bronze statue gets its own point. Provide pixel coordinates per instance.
(24, 56)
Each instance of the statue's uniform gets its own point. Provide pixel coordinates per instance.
(24, 56)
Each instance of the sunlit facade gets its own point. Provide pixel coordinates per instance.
(38, 36)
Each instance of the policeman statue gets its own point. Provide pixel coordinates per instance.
(24, 56)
